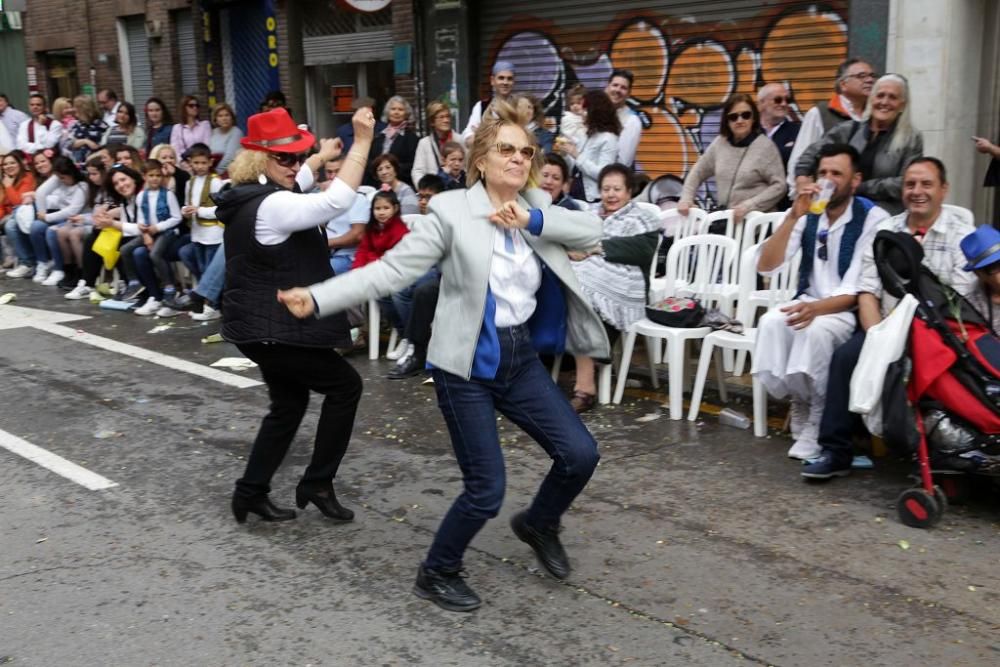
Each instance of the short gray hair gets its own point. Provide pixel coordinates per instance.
(402, 100)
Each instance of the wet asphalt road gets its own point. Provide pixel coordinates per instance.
(693, 544)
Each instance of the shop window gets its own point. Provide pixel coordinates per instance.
(60, 73)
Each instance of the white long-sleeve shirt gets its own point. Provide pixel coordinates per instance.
(628, 140)
(63, 200)
(6, 141)
(153, 197)
(285, 212)
(598, 151)
(204, 234)
(45, 137)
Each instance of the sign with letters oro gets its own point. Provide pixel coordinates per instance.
(366, 6)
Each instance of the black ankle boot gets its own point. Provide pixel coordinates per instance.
(72, 277)
(325, 500)
(262, 507)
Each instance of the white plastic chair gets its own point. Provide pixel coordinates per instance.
(716, 341)
(757, 227)
(374, 328)
(675, 226)
(781, 288)
(696, 262)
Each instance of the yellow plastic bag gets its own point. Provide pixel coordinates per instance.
(106, 246)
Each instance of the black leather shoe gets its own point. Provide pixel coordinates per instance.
(262, 507)
(447, 590)
(325, 501)
(411, 366)
(545, 543)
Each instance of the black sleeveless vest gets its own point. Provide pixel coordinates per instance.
(255, 272)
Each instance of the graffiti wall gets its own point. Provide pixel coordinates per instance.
(685, 65)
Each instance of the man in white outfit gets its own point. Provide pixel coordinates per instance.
(618, 89)
(502, 82)
(40, 131)
(795, 342)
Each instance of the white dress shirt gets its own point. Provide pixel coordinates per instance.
(110, 117)
(12, 119)
(153, 196)
(45, 137)
(204, 234)
(515, 276)
(285, 212)
(628, 140)
(825, 280)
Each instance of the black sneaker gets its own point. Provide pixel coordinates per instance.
(131, 293)
(825, 467)
(447, 590)
(545, 543)
(179, 302)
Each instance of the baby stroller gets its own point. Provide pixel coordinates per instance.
(940, 402)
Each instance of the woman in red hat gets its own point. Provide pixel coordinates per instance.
(274, 240)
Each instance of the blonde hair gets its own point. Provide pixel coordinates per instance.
(86, 110)
(59, 106)
(434, 108)
(158, 150)
(500, 114)
(219, 108)
(247, 167)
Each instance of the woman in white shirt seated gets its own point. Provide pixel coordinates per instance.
(60, 197)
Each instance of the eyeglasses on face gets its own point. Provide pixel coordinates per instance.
(288, 160)
(193, 104)
(862, 76)
(780, 99)
(823, 236)
(507, 150)
(742, 115)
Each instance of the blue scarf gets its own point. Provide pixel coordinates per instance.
(852, 232)
(162, 209)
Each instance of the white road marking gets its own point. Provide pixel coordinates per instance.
(44, 320)
(55, 463)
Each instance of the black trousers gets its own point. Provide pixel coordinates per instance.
(93, 263)
(418, 329)
(291, 373)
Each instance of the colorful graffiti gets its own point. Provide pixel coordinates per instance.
(684, 68)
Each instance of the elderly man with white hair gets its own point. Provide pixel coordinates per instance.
(772, 101)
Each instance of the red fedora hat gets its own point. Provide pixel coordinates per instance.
(274, 131)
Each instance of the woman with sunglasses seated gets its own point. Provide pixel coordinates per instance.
(747, 167)
(274, 239)
(506, 286)
(190, 130)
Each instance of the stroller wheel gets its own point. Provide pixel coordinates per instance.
(918, 508)
(942, 500)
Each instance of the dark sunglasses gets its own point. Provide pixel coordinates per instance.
(780, 99)
(288, 160)
(823, 236)
(508, 150)
(743, 115)
(193, 104)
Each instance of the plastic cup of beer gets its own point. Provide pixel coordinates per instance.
(821, 199)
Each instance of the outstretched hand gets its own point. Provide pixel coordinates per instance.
(510, 216)
(298, 301)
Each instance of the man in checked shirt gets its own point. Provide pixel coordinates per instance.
(940, 231)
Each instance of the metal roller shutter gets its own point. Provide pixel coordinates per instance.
(186, 51)
(140, 68)
(687, 57)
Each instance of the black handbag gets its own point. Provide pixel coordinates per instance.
(677, 312)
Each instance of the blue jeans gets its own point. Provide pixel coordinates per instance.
(398, 306)
(340, 263)
(22, 243)
(524, 393)
(839, 424)
(197, 256)
(52, 243)
(214, 278)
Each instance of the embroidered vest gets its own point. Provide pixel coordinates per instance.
(205, 200)
(849, 239)
(162, 208)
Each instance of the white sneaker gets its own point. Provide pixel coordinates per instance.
(405, 359)
(207, 313)
(54, 278)
(21, 271)
(805, 450)
(798, 416)
(41, 273)
(400, 350)
(148, 308)
(167, 311)
(81, 291)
